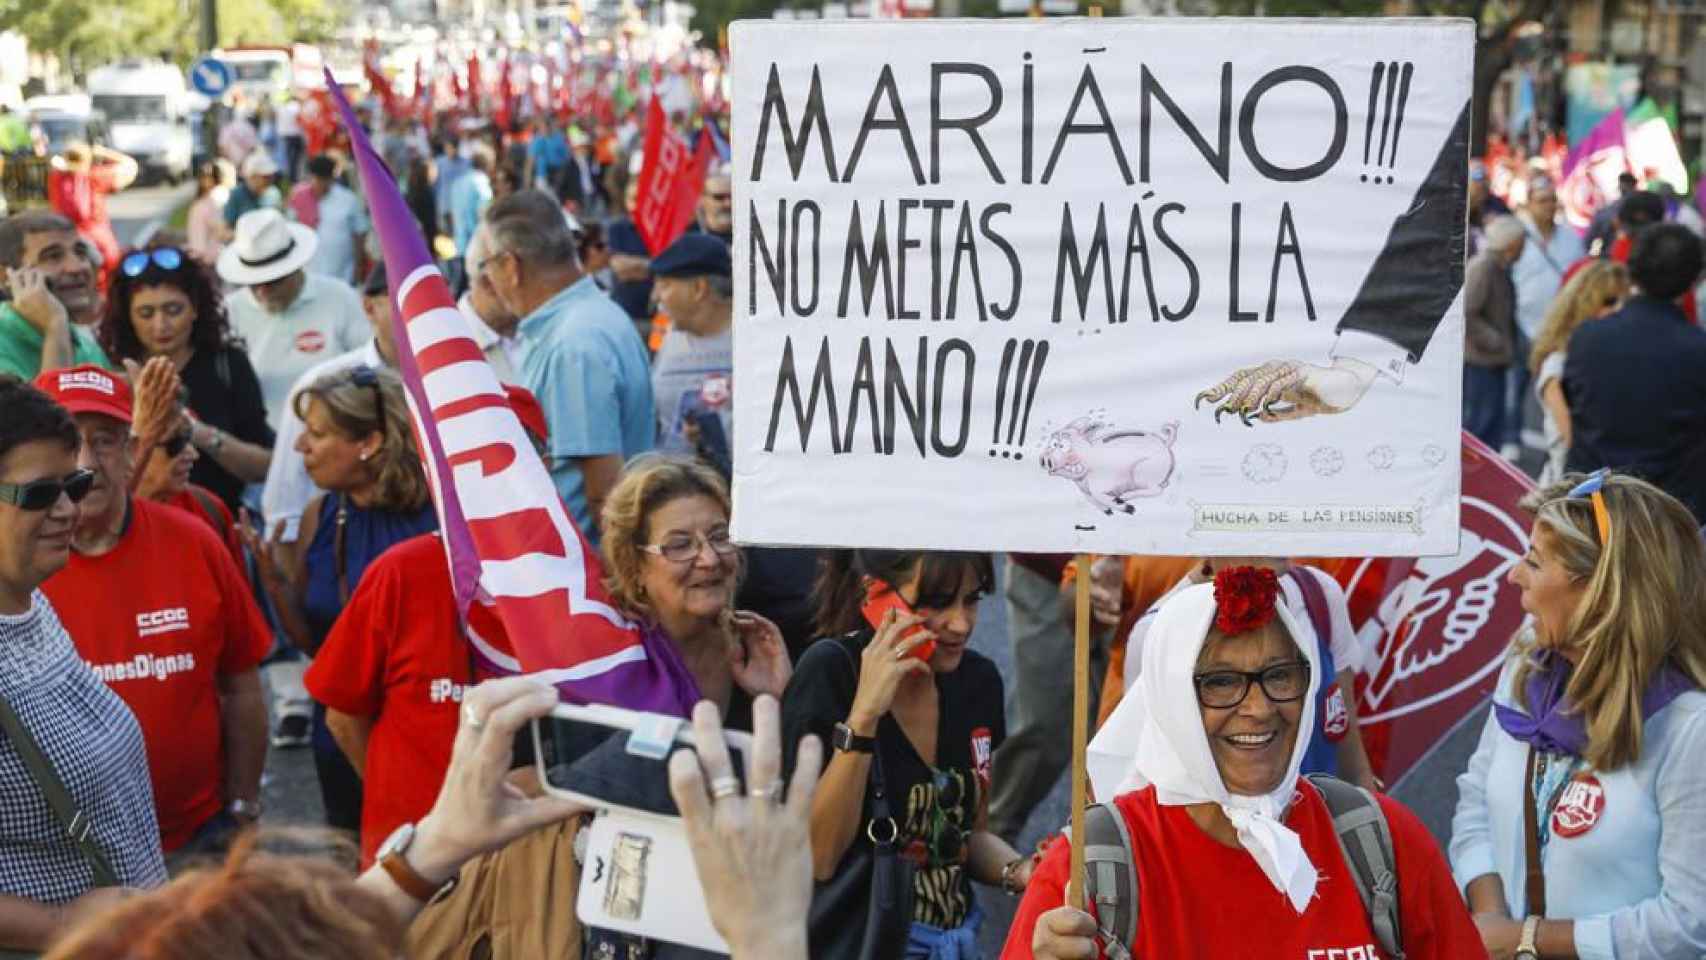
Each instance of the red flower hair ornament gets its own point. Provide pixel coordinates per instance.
(1244, 599)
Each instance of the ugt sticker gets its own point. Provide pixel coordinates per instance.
(1580, 807)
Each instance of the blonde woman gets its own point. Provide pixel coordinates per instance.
(1590, 776)
(1596, 291)
(359, 447)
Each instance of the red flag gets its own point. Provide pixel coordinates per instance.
(670, 181)
(510, 542)
(506, 94)
(475, 91)
(377, 81)
(1439, 626)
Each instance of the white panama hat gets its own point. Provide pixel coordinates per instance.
(266, 247)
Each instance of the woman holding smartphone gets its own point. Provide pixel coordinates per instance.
(913, 717)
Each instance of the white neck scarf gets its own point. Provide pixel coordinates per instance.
(1173, 751)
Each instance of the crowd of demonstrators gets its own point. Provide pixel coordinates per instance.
(1579, 818)
(161, 612)
(1637, 400)
(1489, 319)
(162, 302)
(358, 447)
(51, 295)
(256, 188)
(1596, 291)
(1228, 684)
(290, 317)
(78, 187)
(580, 356)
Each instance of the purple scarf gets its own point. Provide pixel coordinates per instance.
(1553, 727)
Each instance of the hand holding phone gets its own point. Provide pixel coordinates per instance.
(880, 598)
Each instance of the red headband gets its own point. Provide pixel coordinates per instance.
(1244, 599)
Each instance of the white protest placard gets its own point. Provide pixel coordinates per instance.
(1121, 286)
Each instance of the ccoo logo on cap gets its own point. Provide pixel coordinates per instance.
(88, 389)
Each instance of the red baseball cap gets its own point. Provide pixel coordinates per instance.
(528, 411)
(88, 389)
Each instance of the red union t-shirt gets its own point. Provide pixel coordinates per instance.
(160, 618)
(397, 655)
(1201, 900)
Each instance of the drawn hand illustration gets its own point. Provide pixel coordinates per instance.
(1289, 390)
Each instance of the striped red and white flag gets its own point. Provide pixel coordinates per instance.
(508, 538)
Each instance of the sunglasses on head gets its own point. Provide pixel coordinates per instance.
(39, 495)
(1591, 488)
(366, 376)
(166, 258)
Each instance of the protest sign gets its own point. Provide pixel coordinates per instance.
(1122, 286)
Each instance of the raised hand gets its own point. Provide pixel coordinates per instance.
(155, 410)
(758, 655)
(885, 662)
(752, 852)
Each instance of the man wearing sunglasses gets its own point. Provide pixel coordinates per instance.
(86, 733)
(49, 278)
(158, 608)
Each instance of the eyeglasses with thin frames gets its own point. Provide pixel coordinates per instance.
(685, 547)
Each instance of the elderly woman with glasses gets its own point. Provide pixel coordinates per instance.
(359, 447)
(1232, 853)
(165, 303)
(1583, 810)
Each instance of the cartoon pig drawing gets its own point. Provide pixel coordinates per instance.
(1111, 465)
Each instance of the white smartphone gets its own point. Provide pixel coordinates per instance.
(638, 875)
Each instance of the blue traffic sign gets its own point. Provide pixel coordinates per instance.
(210, 77)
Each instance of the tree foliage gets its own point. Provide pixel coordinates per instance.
(88, 33)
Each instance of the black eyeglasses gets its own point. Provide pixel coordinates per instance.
(38, 495)
(1281, 682)
(366, 376)
(175, 444)
(166, 258)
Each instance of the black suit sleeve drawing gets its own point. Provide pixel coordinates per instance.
(1402, 299)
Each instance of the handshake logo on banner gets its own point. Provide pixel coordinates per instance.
(1204, 272)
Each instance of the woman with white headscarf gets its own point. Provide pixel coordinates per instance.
(1231, 849)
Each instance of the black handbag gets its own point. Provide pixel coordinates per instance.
(877, 876)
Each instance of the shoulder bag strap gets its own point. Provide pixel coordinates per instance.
(1315, 602)
(1365, 839)
(1535, 887)
(77, 824)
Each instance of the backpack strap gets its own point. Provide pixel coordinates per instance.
(1365, 838)
(1110, 881)
(204, 499)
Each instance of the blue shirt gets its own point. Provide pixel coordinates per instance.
(584, 361)
(546, 155)
(451, 168)
(469, 197)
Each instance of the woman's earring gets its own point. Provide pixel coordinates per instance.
(365, 454)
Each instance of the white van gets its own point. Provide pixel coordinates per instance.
(146, 104)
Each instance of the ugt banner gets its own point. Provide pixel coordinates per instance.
(1122, 286)
(1436, 629)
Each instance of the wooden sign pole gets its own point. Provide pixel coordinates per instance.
(1080, 726)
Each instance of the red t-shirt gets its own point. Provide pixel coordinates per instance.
(1202, 900)
(160, 618)
(208, 507)
(397, 655)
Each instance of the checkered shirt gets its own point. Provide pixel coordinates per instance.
(93, 741)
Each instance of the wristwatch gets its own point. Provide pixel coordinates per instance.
(244, 809)
(1525, 947)
(390, 857)
(846, 741)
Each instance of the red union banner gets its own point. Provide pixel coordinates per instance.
(671, 176)
(1439, 626)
